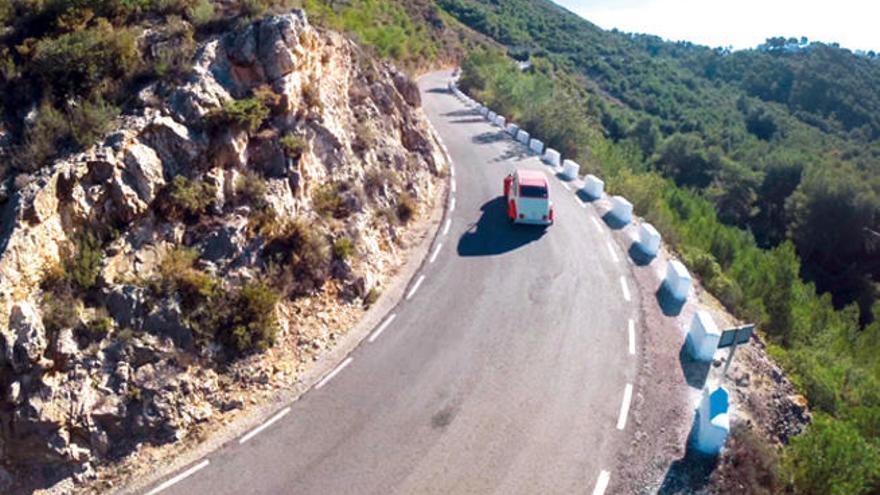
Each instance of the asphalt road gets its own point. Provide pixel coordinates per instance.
(504, 371)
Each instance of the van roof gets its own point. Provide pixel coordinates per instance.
(532, 178)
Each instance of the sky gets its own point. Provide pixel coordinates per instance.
(855, 24)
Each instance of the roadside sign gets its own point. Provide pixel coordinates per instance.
(736, 336)
(733, 338)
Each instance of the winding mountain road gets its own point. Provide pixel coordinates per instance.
(505, 369)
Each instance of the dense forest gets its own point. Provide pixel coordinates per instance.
(759, 166)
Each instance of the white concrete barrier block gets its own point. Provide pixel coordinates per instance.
(552, 157)
(570, 169)
(621, 209)
(484, 111)
(593, 186)
(536, 146)
(523, 137)
(678, 280)
(713, 421)
(502, 122)
(512, 129)
(649, 239)
(491, 116)
(703, 337)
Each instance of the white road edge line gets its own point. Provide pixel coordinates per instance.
(333, 373)
(415, 287)
(436, 252)
(611, 252)
(624, 406)
(452, 171)
(581, 203)
(602, 483)
(453, 185)
(180, 477)
(263, 426)
(375, 335)
(446, 227)
(452, 205)
(596, 223)
(632, 337)
(565, 186)
(624, 287)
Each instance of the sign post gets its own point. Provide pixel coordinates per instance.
(733, 338)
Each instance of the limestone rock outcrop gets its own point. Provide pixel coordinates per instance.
(88, 377)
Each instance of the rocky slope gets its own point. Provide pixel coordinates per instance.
(141, 279)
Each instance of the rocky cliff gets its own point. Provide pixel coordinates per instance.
(142, 278)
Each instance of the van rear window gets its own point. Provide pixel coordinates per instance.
(533, 191)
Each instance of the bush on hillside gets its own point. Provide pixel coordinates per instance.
(247, 114)
(186, 199)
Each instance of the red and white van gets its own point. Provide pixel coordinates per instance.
(528, 197)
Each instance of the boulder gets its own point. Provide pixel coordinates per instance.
(177, 146)
(167, 320)
(30, 337)
(125, 303)
(126, 203)
(144, 167)
(273, 36)
(408, 89)
(65, 349)
(224, 243)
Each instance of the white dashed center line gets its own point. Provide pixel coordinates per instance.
(415, 287)
(452, 171)
(375, 335)
(453, 185)
(436, 252)
(333, 373)
(632, 337)
(180, 477)
(611, 252)
(446, 227)
(625, 288)
(265, 425)
(452, 205)
(624, 406)
(602, 483)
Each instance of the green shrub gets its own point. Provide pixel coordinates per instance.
(186, 199)
(294, 145)
(343, 248)
(90, 119)
(82, 263)
(97, 328)
(177, 274)
(251, 324)
(300, 258)
(831, 458)
(44, 139)
(328, 202)
(77, 62)
(248, 114)
(250, 190)
(60, 310)
(371, 297)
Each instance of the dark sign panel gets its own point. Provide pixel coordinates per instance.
(736, 336)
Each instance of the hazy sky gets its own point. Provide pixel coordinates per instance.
(855, 24)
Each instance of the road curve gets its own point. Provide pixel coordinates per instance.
(502, 371)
